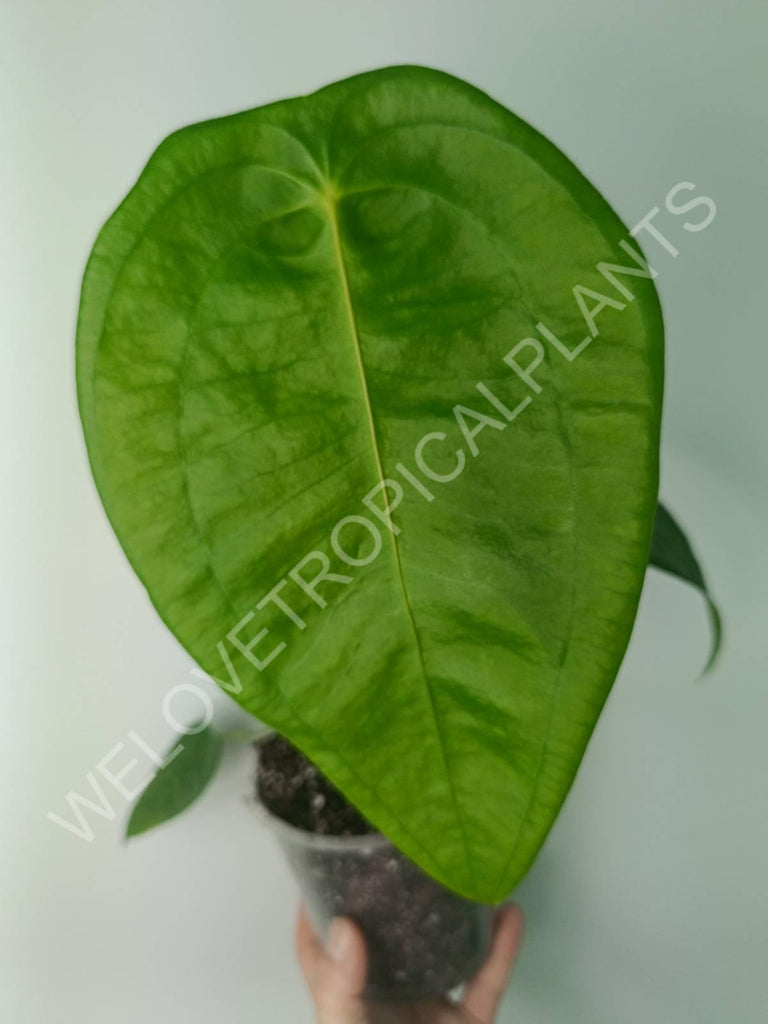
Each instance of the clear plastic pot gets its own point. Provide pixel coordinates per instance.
(423, 940)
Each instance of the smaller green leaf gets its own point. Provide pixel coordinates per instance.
(180, 783)
(672, 552)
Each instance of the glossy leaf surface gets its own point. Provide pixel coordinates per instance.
(180, 782)
(297, 303)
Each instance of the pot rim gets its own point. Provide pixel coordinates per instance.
(316, 840)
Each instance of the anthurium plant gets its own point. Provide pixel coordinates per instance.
(371, 385)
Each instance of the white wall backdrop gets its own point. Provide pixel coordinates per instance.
(650, 901)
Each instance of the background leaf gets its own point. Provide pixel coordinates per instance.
(285, 304)
(671, 551)
(180, 783)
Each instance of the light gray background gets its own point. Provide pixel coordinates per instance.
(649, 902)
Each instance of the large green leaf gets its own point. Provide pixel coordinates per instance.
(671, 551)
(287, 302)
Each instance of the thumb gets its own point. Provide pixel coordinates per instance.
(335, 973)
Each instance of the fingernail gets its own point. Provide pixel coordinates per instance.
(337, 942)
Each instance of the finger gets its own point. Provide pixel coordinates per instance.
(335, 973)
(485, 990)
(309, 949)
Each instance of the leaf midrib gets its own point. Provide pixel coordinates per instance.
(355, 337)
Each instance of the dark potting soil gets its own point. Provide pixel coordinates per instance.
(294, 789)
(422, 939)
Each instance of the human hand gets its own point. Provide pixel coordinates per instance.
(336, 973)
